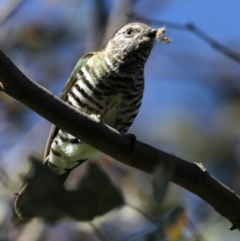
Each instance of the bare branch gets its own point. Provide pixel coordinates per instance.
(195, 30)
(104, 138)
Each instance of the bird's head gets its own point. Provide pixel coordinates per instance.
(132, 38)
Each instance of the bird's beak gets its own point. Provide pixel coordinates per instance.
(152, 33)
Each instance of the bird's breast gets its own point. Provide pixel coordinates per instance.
(113, 105)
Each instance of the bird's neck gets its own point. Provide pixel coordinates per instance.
(125, 62)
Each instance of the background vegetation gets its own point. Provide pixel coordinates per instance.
(190, 109)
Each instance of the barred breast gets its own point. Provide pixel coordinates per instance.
(116, 98)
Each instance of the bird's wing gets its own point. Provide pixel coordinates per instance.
(72, 79)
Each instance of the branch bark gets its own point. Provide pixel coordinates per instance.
(190, 176)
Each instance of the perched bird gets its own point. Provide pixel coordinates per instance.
(107, 84)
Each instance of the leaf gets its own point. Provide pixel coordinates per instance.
(44, 195)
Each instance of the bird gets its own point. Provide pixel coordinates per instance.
(108, 85)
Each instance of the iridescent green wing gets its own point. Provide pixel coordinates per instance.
(71, 81)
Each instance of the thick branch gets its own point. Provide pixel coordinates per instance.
(104, 138)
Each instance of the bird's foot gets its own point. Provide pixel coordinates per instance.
(133, 139)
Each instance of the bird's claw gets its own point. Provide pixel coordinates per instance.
(133, 139)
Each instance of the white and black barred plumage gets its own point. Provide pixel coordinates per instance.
(108, 83)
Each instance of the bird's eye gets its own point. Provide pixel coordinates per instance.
(129, 32)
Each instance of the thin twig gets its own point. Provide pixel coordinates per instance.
(195, 30)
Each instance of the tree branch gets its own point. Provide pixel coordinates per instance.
(190, 176)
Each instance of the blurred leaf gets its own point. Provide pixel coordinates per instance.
(175, 221)
(45, 197)
(42, 195)
(160, 181)
(39, 36)
(4, 179)
(171, 226)
(98, 193)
